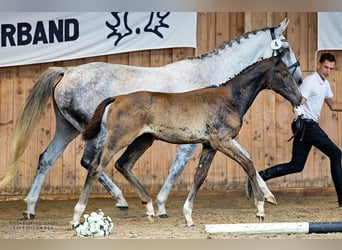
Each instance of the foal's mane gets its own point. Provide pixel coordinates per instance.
(238, 74)
(229, 43)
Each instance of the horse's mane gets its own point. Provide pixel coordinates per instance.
(229, 43)
(236, 75)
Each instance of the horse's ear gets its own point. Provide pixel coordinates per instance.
(282, 26)
(280, 56)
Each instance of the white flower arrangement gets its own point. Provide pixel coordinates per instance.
(95, 224)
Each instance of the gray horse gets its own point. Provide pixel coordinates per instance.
(83, 87)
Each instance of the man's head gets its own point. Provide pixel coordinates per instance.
(326, 65)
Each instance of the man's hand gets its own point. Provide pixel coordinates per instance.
(299, 111)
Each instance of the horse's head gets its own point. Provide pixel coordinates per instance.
(279, 43)
(281, 81)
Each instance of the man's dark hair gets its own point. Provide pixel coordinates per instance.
(327, 56)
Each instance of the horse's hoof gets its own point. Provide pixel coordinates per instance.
(163, 216)
(73, 225)
(150, 217)
(122, 208)
(191, 225)
(28, 216)
(260, 218)
(271, 200)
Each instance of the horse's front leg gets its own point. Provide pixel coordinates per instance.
(201, 173)
(234, 150)
(95, 170)
(125, 164)
(91, 149)
(83, 200)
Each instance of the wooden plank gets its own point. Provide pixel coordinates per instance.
(312, 43)
(203, 29)
(236, 24)
(211, 37)
(9, 72)
(222, 24)
(303, 32)
(268, 113)
(121, 58)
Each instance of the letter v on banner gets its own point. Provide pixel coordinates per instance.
(38, 37)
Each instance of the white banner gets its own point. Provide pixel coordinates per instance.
(37, 37)
(329, 31)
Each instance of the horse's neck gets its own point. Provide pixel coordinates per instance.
(244, 89)
(227, 62)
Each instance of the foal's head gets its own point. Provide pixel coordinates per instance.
(281, 81)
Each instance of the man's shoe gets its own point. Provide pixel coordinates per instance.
(248, 188)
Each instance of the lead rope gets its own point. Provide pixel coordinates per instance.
(300, 127)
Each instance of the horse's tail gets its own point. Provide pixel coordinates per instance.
(94, 126)
(29, 118)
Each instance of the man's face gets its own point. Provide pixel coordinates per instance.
(325, 69)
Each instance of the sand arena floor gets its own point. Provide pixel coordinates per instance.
(53, 216)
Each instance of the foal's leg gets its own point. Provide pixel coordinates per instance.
(182, 157)
(95, 170)
(91, 149)
(234, 150)
(201, 173)
(125, 164)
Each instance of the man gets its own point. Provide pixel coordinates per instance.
(315, 90)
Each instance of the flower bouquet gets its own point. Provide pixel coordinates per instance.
(95, 224)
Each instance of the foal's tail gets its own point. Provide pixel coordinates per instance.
(94, 126)
(29, 118)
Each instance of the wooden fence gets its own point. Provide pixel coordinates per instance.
(264, 133)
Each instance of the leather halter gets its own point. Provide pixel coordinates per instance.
(277, 51)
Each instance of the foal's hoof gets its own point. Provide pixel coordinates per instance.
(163, 216)
(28, 216)
(190, 224)
(260, 218)
(123, 209)
(73, 225)
(150, 217)
(271, 200)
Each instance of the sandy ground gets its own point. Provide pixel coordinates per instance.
(52, 217)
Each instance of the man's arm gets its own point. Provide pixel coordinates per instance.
(333, 104)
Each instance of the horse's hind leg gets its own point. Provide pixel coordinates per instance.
(182, 157)
(63, 135)
(201, 173)
(126, 162)
(91, 149)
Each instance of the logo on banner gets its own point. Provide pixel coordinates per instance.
(122, 28)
